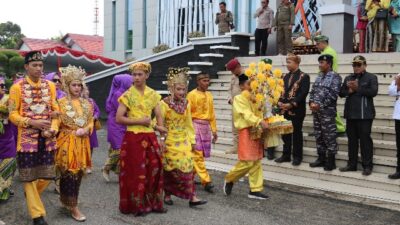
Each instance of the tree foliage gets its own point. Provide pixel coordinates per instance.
(11, 63)
(10, 35)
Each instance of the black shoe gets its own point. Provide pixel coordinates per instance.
(394, 176)
(209, 188)
(257, 195)
(168, 202)
(201, 202)
(348, 168)
(341, 134)
(228, 187)
(296, 162)
(197, 182)
(161, 211)
(320, 162)
(367, 172)
(282, 159)
(330, 163)
(270, 153)
(39, 221)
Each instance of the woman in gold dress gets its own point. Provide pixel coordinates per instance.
(75, 125)
(177, 161)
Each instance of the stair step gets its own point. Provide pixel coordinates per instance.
(200, 63)
(211, 55)
(374, 181)
(225, 47)
(194, 72)
(348, 192)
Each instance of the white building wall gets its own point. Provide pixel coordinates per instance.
(25, 47)
(163, 22)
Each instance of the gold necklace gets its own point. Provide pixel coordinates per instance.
(72, 112)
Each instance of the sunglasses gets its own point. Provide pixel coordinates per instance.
(357, 64)
(57, 81)
(2, 86)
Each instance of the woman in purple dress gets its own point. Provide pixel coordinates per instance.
(56, 79)
(8, 163)
(115, 132)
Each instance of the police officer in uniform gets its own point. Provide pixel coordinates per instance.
(283, 25)
(323, 98)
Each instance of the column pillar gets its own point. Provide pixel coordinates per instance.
(338, 24)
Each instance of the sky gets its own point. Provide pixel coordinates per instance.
(51, 18)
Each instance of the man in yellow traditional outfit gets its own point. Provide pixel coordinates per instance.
(140, 177)
(250, 151)
(203, 116)
(32, 101)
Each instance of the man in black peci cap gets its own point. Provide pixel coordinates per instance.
(359, 89)
(323, 99)
(32, 100)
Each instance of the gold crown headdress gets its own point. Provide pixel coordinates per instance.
(146, 67)
(177, 76)
(71, 73)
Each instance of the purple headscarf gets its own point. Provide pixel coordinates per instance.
(50, 77)
(115, 131)
(120, 84)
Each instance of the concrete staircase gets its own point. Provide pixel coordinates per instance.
(375, 189)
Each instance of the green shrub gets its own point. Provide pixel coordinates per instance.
(10, 54)
(196, 34)
(160, 48)
(16, 64)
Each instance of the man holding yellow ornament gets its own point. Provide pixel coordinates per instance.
(248, 119)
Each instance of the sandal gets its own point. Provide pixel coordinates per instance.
(82, 218)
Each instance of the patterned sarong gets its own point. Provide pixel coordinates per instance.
(203, 136)
(36, 165)
(249, 149)
(179, 184)
(69, 188)
(7, 170)
(141, 174)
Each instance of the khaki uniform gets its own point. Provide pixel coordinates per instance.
(223, 21)
(283, 19)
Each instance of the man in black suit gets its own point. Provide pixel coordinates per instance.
(293, 106)
(359, 89)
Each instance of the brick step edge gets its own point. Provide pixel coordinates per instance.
(320, 188)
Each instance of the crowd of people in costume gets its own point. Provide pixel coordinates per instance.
(159, 145)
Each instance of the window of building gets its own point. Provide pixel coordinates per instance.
(144, 42)
(181, 25)
(129, 22)
(114, 25)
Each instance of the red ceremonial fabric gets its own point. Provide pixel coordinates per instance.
(141, 177)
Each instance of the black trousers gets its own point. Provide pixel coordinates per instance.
(397, 127)
(359, 135)
(261, 38)
(295, 139)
